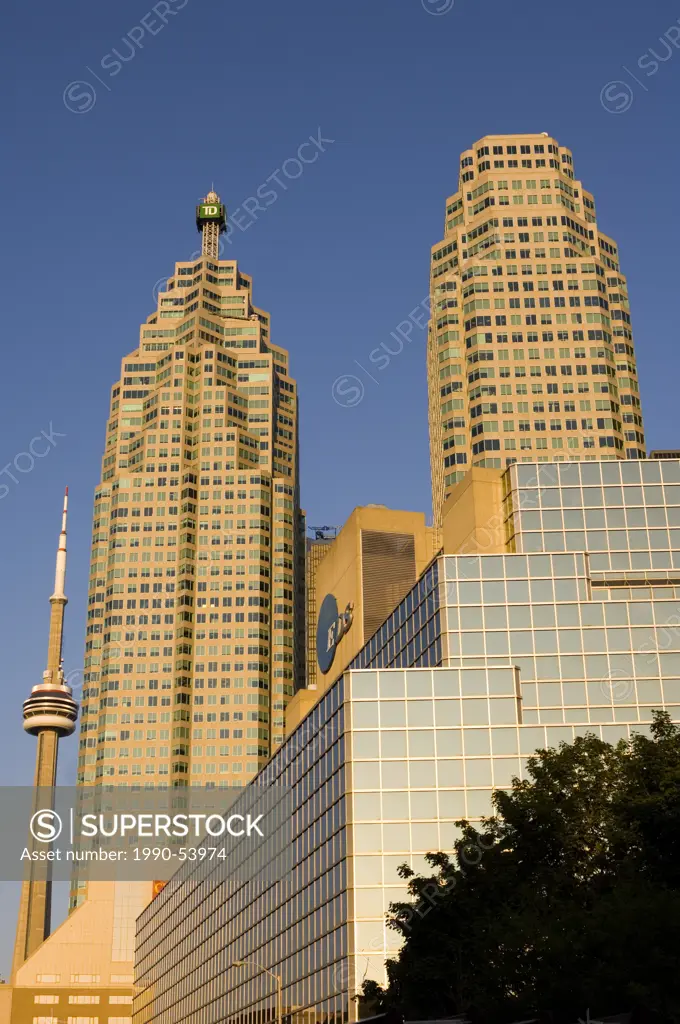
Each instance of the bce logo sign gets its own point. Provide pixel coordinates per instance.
(331, 627)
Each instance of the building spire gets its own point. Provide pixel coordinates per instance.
(60, 572)
(211, 221)
(51, 706)
(50, 713)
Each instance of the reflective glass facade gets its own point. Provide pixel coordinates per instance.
(490, 657)
(300, 926)
(411, 636)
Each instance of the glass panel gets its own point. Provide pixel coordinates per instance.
(421, 743)
(367, 838)
(419, 684)
(425, 836)
(547, 668)
(568, 614)
(492, 567)
(364, 684)
(473, 683)
(574, 694)
(368, 870)
(504, 741)
(475, 711)
(392, 713)
(424, 804)
(472, 644)
(422, 774)
(395, 805)
(670, 664)
(649, 692)
(518, 591)
(450, 773)
(364, 715)
(446, 683)
(393, 744)
(365, 744)
(447, 712)
(452, 804)
(531, 739)
(366, 774)
(479, 803)
(493, 593)
(468, 568)
(476, 741)
(392, 684)
(545, 641)
(478, 773)
(449, 742)
(503, 711)
(469, 593)
(497, 644)
(420, 712)
(369, 903)
(570, 641)
(544, 615)
(471, 618)
(396, 838)
(394, 775)
(501, 681)
(495, 618)
(504, 769)
(366, 806)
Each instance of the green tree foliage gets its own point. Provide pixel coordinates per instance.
(567, 899)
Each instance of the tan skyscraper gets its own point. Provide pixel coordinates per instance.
(530, 350)
(191, 641)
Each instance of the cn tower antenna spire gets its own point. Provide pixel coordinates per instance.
(211, 221)
(60, 572)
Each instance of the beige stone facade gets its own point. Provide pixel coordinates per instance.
(315, 552)
(530, 350)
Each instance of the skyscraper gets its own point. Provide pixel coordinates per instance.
(530, 350)
(49, 714)
(191, 636)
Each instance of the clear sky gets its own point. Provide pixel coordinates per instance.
(106, 155)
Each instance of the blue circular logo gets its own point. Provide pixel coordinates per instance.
(330, 629)
(326, 629)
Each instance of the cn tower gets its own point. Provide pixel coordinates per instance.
(49, 713)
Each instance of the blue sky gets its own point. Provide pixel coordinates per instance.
(106, 155)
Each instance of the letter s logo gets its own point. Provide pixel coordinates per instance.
(46, 826)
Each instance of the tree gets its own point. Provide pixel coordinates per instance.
(567, 899)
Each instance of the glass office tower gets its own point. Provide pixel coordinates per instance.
(574, 626)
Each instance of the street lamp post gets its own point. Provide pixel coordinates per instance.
(276, 977)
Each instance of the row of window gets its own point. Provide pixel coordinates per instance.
(114, 1000)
